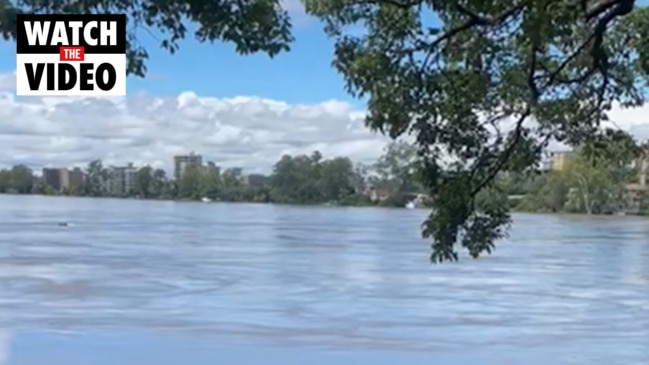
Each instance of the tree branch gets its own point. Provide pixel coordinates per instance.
(602, 6)
(504, 158)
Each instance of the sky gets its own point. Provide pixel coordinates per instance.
(243, 111)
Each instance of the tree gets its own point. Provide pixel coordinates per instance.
(592, 186)
(39, 188)
(159, 184)
(361, 176)
(590, 182)
(644, 204)
(5, 180)
(485, 88)
(94, 184)
(211, 182)
(189, 184)
(251, 25)
(615, 155)
(336, 179)
(22, 179)
(397, 167)
(232, 184)
(71, 190)
(550, 197)
(312, 179)
(295, 180)
(144, 182)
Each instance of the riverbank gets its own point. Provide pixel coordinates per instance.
(359, 201)
(333, 204)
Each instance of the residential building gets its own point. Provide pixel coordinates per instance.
(52, 178)
(64, 175)
(122, 180)
(61, 179)
(115, 181)
(255, 181)
(375, 194)
(641, 165)
(636, 191)
(635, 196)
(75, 177)
(558, 160)
(181, 163)
(130, 178)
(212, 167)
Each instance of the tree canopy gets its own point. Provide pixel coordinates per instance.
(251, 25)
(299, 179)
(484, 86)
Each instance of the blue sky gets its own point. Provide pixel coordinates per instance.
(303, 75)
(239, 111)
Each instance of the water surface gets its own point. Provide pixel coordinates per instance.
(135, 282)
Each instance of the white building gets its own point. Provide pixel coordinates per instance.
(181, 163)
(122, 180)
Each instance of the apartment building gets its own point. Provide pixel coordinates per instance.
(52, 177)
(211, 167)
(61, 179)
(75, 177)
(558, 160)
(122, 180)
(182, 162)
(255, 181)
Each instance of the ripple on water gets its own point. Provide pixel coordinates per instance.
(341, 278)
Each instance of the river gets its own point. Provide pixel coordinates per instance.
(147, 282)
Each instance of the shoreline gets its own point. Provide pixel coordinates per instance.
(320, 205)
(198, 201)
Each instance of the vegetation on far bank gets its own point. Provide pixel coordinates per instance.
(301, 179)
(605, 183)
(584, 184)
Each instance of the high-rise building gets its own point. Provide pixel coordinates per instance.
(75, 177)
(57, 178)
(60, 179)
(130, 178)
(52, 177)
(181, 163)
(122, 180)
(255, 181)
(559, 159)
(64, 175)
(211, 167)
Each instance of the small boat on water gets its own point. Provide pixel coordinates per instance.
(206, 200)
(411, 205)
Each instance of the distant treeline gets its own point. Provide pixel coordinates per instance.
(606, 184)
(301, 179)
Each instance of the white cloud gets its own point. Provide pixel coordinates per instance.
(635, 120)
(8, 81)
(295, 9)
(249, 132)
(5, 345)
